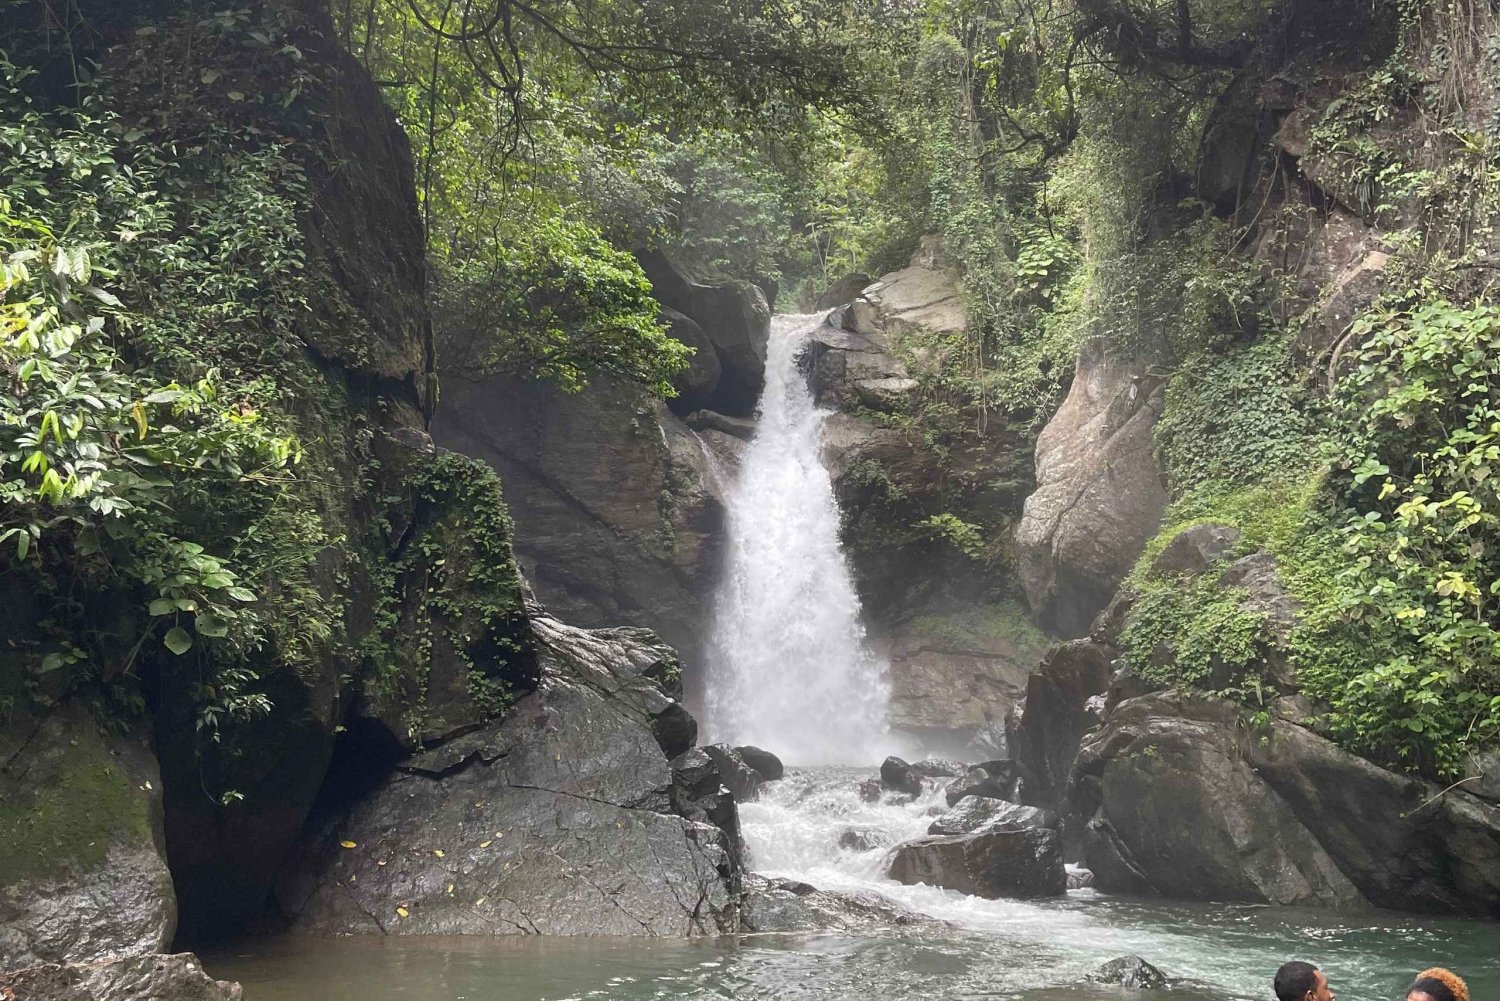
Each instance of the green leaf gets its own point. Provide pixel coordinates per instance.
(208, 624)
(178, 640)
(162, 606)
(240, 593)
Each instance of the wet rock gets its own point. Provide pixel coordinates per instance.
(709, 420)
(698, 794)
(1129, 971)
(863, 839)
(82, 871)
(618, 503)
(557, 820)
(1099, 494)
(1193, 550)
(938, 768)
(973, 814)
(1187, 801)
(177, 977)
(870, 790)
(738, 777)
(993, 780)
(1057, 716)
(1022, 863)
(781, 905)
(765, 764)
(1079, 878)
(898, 776)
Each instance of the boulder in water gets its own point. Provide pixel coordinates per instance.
(178, 977)
(993, 779)
(1079, 878)
(767, 765)
(738, 777)
(938, 768)
(898, 776)
(863, 839)
(992, 864)
(784, 905)
(1129, 971)
(973, 814)
(870, 791)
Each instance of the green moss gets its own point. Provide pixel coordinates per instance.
(983, 627)
(72, 817)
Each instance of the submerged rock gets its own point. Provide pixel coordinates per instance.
(870, 790)
(784, 905)
(177, 977)
(1011, 862)
(973, 814)
(1129, 971)
(558, 820)
(863, 839)
(898, 776)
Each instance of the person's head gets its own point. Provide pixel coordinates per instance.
(1298, 981)
(1438, 984)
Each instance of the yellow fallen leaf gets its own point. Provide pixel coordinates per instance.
(485, 844)
(479, 901)
(403, 912)
(347, 844)
(438, 852)
(499, 834)
(450, 889)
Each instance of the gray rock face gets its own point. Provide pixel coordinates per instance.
(949, 698)
(1185, 801)
(697, 383)
(558, 820)
(1482, 775)
(82, 869)
(177, 977)
(995, 863)
(843, 291)
(973, 814)
(617, 503)
(1099, 494)
(1129, 971)
(898, 776)
(736, 774)
(784, 905)
(938, 768)
(1056, 717)
(735, 320)
(1193, 550)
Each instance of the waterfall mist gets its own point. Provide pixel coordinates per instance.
(789, 669)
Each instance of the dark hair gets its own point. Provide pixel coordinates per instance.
(1433, 988)
(1296, 978)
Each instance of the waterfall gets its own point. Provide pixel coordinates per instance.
(789, 669)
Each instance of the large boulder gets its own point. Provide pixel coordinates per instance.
(82, 869)
(739, 778)
(1058, 712)
(617, 503)
(1188, 800)
(973, 814)
(900, 777)
(558, 820)
(994, 863)
(785, 905)
(736, 321)
(1099, 495)
(991, 780)
(765, 764)
(697, 383)
(843, 291)
(177, 977)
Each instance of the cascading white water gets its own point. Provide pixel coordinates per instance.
(789, 669)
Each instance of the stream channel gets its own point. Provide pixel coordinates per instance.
(791, 673)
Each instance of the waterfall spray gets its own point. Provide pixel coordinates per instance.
(789, 668)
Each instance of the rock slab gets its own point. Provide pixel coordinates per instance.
(1023, 863)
